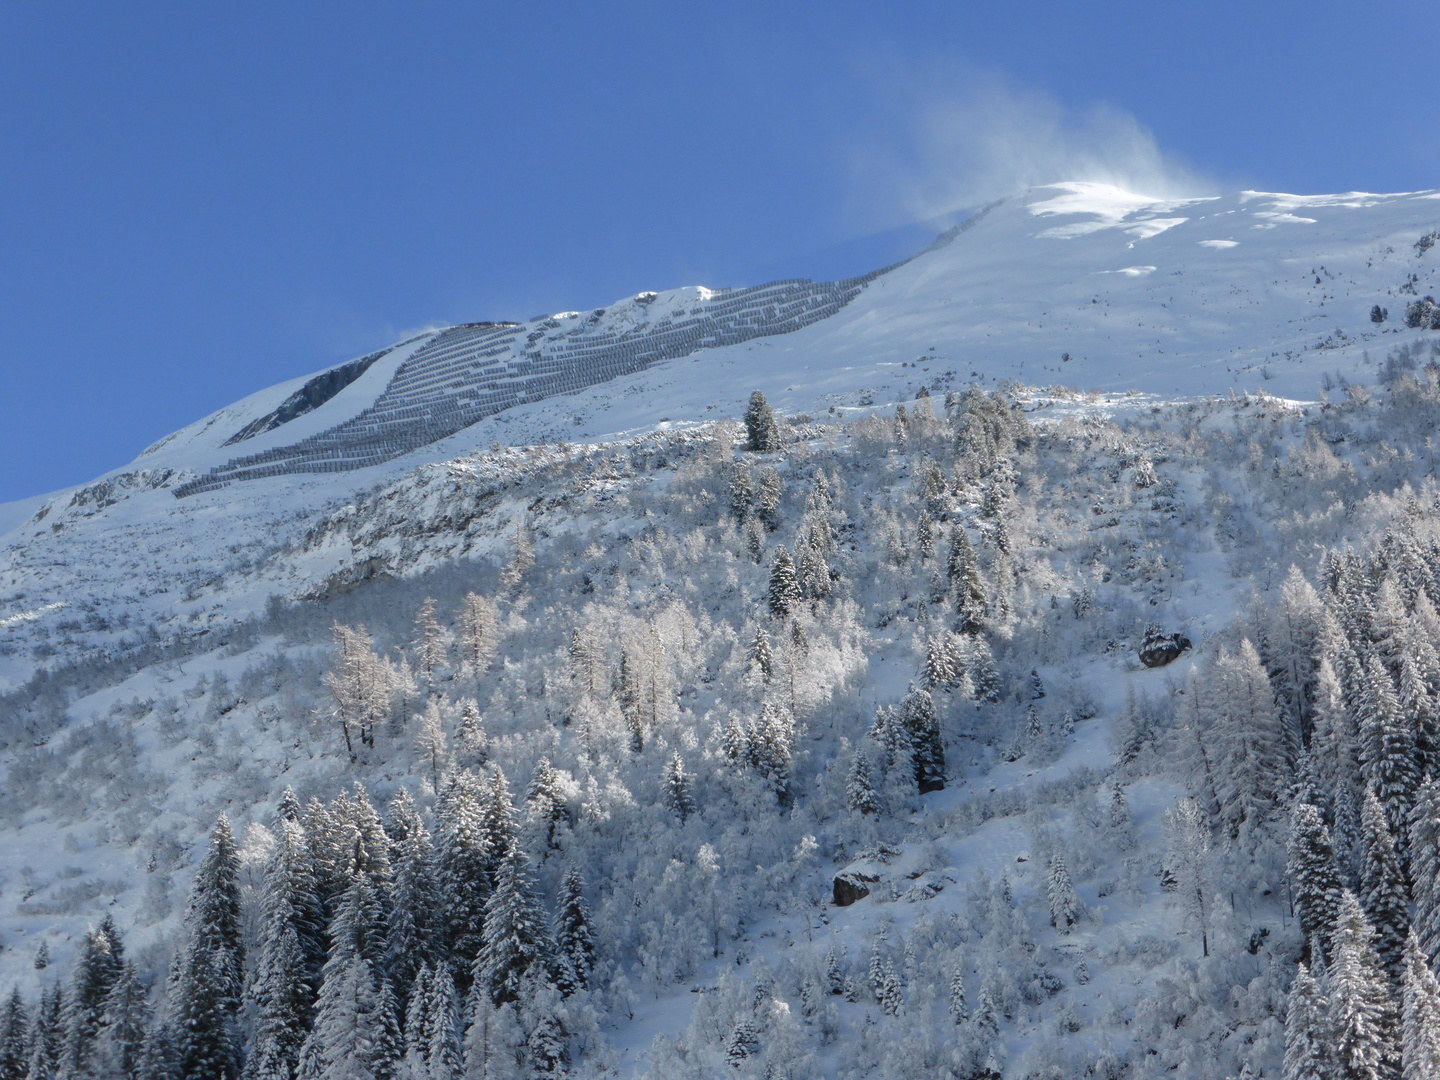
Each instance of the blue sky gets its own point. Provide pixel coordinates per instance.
(197, 201)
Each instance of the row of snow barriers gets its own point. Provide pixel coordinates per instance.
(467, 373)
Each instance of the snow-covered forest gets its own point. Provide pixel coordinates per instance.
(789, 748)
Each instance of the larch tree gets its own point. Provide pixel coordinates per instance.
(431, 643)
(430, 741)
(1188, 848)
(479, 632)
(1255, 752)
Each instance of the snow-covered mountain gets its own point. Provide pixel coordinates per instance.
(1181, 399)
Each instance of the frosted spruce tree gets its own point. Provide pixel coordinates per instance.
(1307, 1035)
(98, 967)
(784, 594)
(1313, 876)
(1383, 893)
(124, 1024)
(517, 933)
(1387, 740)
(574, 928)
(860, 794)
(1361, 1012)
(762, 434)
(355, 1036)
(207, 985)
(14, 1037)
(1420, 1016)
(676, 787)
(1425, 866)
(926, 746)
(462, 863)
(414, 934)
(1065, 906)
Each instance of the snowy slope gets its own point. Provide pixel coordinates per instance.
(1153, 301)
(1249, 291)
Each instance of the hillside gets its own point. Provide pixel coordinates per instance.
(842, 727)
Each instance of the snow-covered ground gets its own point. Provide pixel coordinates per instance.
(1120, 324)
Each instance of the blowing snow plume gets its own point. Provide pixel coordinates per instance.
(941, 144)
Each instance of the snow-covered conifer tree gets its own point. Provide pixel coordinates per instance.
(124, 1022)
(767, 498)
(1188, 843)
(959, 1010)
(927, 747)
(966, 580)
(14, 1036)
(574, 930)
(493, 1039)
(517, 934)
(940, 669)
(783, 595)
(1425, 866)
(1361, 1012)
(430, 741)
(860, 794)
(546, 801)
(208, 983)
(443, 1051)
(1290, 648)
(762, 434)
(471, 745)
(413, 935)
(677, 788)
(355, 1036)
(479, 632)
(431, 643)
(1387, 742)
(97, 968)
(814, 573)
(1255, 752)
(46, 1036)
(462, 858)
(1065, 905)
(289, 957)
(1307, 1039)
(1420, 1017)
(1383, 892)
(1313, 876)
